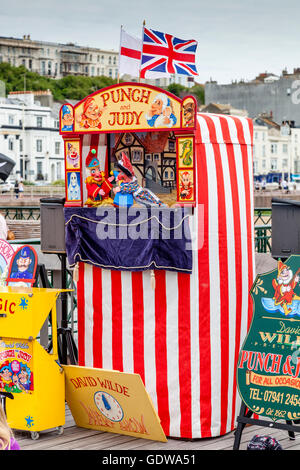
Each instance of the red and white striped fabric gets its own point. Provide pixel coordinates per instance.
(184, 337)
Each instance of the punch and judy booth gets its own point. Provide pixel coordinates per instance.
(159, 225)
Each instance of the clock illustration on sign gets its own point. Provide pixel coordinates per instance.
(108, 406)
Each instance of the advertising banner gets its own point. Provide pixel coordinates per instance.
(268, 369)
(111, 401)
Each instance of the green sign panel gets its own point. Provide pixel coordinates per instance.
(268, 371)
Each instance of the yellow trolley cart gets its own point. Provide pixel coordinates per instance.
(27, 371)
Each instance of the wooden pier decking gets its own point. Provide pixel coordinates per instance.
(75, 438)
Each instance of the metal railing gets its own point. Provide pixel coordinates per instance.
(263, 229)
(20, 212)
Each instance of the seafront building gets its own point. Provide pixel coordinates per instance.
(56, 60)
(276, 146)
(29, 134)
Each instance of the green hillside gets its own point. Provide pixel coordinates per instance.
(71, 87)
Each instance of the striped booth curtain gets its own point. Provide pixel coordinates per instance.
(184, 336)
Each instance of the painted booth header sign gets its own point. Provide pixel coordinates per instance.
(128, 106)
(268, 371)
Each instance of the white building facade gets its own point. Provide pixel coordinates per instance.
(276, 149)
(56, 60)
(29, 134)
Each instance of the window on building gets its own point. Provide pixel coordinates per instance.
(166, 174)
(30, 64)
(57, 148)
(255, 166)
(156, 156)
(115, 61)
(10, 144)
(263, 150)
(39, 145)
(273, 163)
(263, 164)
(285, 148)
(21, 145)
(148, 156)
(171, 146)
(284, 163)
(109, 60)
(273, 148)
(11, 119)
(136, 156)
(110, 73)
(39, 121)
(39, 168)
(58, 170)
(102, 59)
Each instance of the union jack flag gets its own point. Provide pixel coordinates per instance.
(165, 54)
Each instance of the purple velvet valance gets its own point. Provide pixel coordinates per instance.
(134, 239)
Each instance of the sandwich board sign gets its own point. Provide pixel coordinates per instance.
(111, 401)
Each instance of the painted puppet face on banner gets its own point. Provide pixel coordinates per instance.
(68, 119)
(73, 179)
(286, 275)
(93, 111)
(23, 263)
(157, 106)
(185, 179)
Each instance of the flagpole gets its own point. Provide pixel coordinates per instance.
(120, 53)
(144, 24)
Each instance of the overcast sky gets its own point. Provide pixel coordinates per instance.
(236, 38)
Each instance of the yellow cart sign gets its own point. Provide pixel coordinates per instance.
(27, 370)
(111, 401)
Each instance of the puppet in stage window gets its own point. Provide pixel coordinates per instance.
(97, 185)
(22, 267)
(129, 189)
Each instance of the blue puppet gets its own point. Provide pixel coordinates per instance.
(129, 189)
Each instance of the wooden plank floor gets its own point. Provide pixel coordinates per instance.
(74, 438)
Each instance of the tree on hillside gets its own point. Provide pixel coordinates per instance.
(66, 88)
